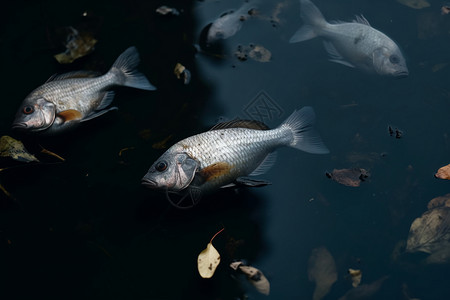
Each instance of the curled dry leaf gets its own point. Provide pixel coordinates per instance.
(416, 4)
(15, 149)
(322, 271)
(443, 172)
(255, 52)
(77, 45)
(356, 277)
(182, 73)
(349, 177)
(254, 276)
(257, 279)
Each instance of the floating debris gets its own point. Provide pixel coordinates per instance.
(77, 44)
(182, 73)
(430, 233)
(165, 10)
(255, 52)
(395, 132)
(15, 149)
(364, 291)
(445, 9)
(356, 276)
(254, 276)
(443, 172)
(321, 271)
(162, 144)
(349, 177)
(416, 4)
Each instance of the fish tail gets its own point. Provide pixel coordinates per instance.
(313, 19)
(303, 136)
(125, 67)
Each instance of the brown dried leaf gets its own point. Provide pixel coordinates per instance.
(443, 172)
(431, 232)
(15, 149)
(182, 73)
(322, 271)
(349, 177)
(78, 45)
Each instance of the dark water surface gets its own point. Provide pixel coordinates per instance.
(87, 229)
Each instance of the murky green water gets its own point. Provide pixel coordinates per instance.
(87, 229)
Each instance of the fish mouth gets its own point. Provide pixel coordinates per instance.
(149, 183)
(19, 126)
(401, 74)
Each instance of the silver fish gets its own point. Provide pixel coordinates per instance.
(228, 23)
(224, 155)
(66, 100)
(354, 44)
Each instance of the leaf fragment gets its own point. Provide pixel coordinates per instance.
(182, 73)
(356, 276)
(443, 172)
(349, 177)
(15, 149)
(77, 45)
(254, 276)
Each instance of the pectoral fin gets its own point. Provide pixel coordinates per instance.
(249, 182)
(70, 115)
(98, 114)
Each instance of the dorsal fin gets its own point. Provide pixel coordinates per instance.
(362, 20)
(74, 74)
(238, 123)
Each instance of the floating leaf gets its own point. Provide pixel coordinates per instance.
(254, 276)
(349, 177)
(257, 279)
(431, 232)
(182, 73)
(322, 271)
(165, 10)
(15, 149)
(416, 4)
(255, 52)
(356, 277)
(443, 172)
(208, 259)
(77, 44)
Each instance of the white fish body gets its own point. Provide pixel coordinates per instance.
(68, 99)
(354, 44)
(229, 152)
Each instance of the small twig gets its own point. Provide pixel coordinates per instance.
(216, 234)
(45, 151)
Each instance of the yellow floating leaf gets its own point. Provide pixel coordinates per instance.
(443, 173)
(182, 73)
(207, 261)
(15, 149)
(416, 4)
(356, 277)
(256, 278)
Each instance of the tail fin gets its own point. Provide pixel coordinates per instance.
(313, 19)
(304, 136)
(125, 66)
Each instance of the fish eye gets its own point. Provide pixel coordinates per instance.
(161, 166)
(394, 59)
(28, 110)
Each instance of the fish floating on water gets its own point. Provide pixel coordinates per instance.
(226, 154)
(355, 44)
(68, 99)
(229, 23)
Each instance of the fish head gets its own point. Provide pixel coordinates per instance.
(389, 61)
(172, 172)
(35, 115)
